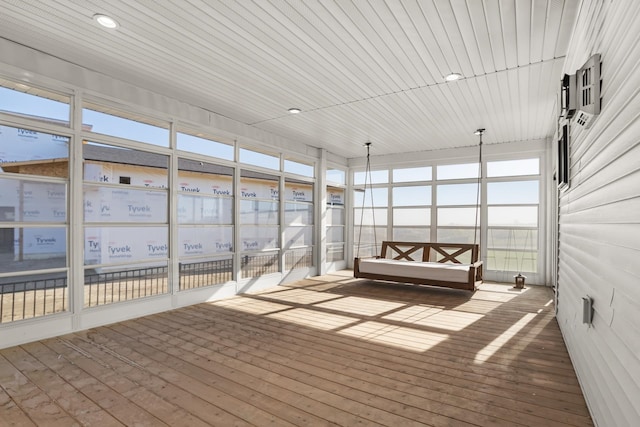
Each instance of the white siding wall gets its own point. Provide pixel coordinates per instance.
(599, 229)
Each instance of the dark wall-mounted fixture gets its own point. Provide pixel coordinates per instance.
(563, 158)
(587, 310)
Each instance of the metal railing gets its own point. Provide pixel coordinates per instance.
(37, 297)
(117, 286)
(258, 264)
(32, 298)
(200, 274)
(298, 258)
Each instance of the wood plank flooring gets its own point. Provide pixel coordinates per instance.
(329, 350)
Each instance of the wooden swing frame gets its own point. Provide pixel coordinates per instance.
(436, 260)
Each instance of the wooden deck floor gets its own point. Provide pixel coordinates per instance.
(329, 350)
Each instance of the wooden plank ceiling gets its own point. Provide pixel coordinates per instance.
(365, 70)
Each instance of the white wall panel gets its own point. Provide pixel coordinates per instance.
(599, 221)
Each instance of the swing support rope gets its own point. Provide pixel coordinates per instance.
(367, 178)
(478, 132)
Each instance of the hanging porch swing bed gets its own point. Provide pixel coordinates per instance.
(437, 264)
(450, 265)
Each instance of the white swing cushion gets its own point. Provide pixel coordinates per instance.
(419, 270)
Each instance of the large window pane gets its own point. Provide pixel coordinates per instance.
(512, 244)
(411, 234)
(457, 194)
(27, 152)
(335, 229)
(367, 250)
(255, 238)
(460, 171)
(254, 185)
(208, 147)
(335, 253)
(335, 234)
(513, 192)
(412, 174)
(110, 204)
(457, 217)
(205, 193)
(411, 216)
(369, 234)
(513, 216)
(32, 201)
(412, 196)
(298, 168)
(298, 236)
(298, 213)
(513, 239)
(198, 241)
(377, 177)
(205, 179)
(259, 159)
(258, 212)
(111, 175)
(108, 164)
(259, 219)
(33, 102)
(33, 214)
(335, 216)
(32, 248)
(368, 240)
(205, 215)
(204, 210)
(122, 124)
(458, 235)
(114, 245)
(513, 168)
(336, 176)
(126, 235)
(376, 216)
(335, 196)
(298, 191)
(372, 197)
(298, 232)
(513, 261)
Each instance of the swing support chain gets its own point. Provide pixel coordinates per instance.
(478, 132)
(367, 179)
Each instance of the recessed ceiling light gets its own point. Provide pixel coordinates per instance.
(453, 77)
(105, 21)
(294, 110)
